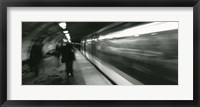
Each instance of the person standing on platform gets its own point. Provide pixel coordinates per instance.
(36, 55)
(58, 53)
(67, 52)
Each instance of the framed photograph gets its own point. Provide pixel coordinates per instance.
(99, 53)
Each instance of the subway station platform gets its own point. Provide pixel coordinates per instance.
(52, 72)
(114, 53)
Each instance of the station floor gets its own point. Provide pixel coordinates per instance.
(52, 72)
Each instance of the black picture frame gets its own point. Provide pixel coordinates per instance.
(98, 3)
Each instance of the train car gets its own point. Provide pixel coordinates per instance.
(143, 53)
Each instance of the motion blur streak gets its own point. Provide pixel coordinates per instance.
(147, 52)
(143, 29)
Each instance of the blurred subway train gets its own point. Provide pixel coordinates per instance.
(135, 53)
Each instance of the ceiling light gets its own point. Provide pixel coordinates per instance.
(67, 36)
(64, 40)
(63, 25)
(66, 31)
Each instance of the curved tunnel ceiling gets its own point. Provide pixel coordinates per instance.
(51, 32)
(77, 30)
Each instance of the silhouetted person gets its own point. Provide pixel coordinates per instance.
(58, 53)
(68, 57)
(35, 57)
